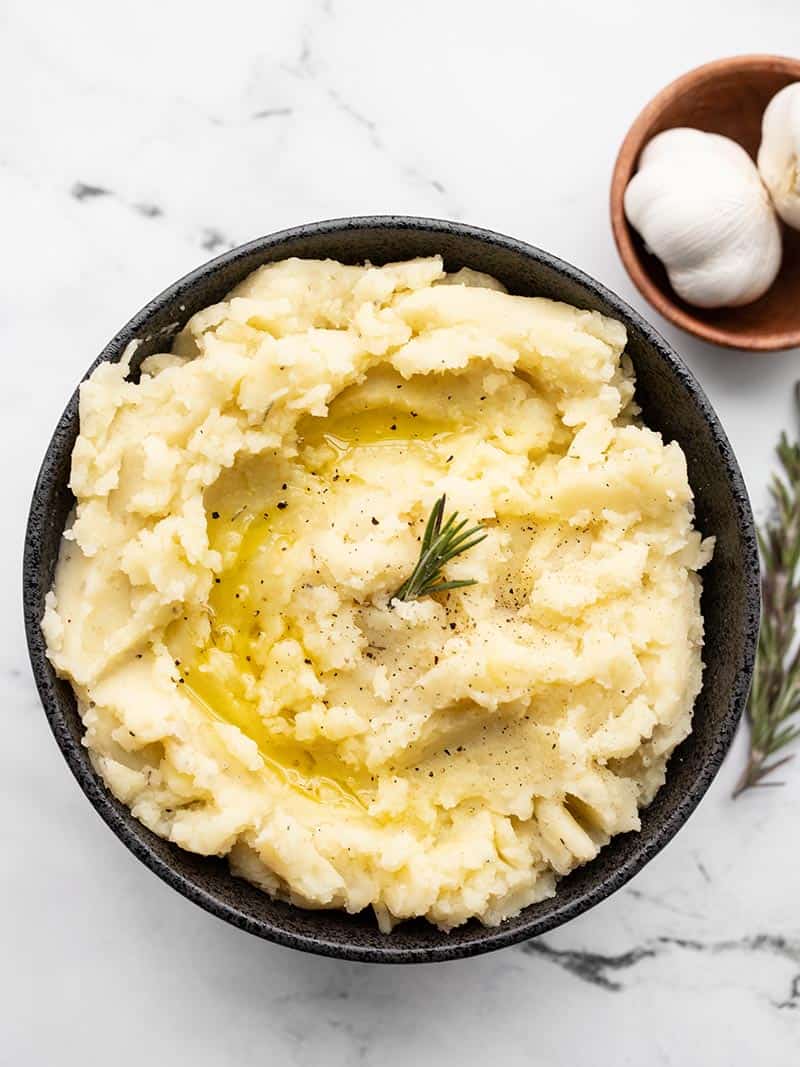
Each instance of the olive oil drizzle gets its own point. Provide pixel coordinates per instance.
(253, 530)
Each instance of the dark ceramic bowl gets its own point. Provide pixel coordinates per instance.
(672, 402)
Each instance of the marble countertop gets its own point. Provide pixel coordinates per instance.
(137, 141)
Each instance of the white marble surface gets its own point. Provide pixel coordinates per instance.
(136, 140)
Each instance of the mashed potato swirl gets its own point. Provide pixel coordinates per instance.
(246, 508)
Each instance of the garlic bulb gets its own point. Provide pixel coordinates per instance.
(779, 154)
(700, 206)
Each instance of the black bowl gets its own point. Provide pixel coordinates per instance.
(672, 402)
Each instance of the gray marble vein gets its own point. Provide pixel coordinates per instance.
(597, 968)
(136, 144)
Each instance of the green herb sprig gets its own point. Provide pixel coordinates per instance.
(440, 544)
(774, 700)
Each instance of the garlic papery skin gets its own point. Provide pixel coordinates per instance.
(699, 204)
(779, 154)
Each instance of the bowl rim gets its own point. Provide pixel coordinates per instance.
(124, 824)
(624, 167)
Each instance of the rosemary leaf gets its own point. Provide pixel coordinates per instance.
(774, 699)
(440, 544)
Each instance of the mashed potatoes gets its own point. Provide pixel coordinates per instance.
(244, 513)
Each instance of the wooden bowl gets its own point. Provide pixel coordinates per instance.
(728, 97)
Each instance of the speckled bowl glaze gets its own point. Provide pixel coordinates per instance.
(672, 402)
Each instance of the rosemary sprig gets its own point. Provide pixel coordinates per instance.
(440, 544)
(774, 700)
